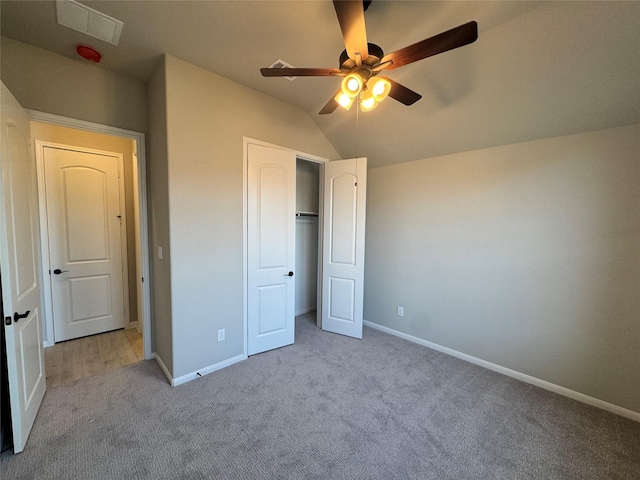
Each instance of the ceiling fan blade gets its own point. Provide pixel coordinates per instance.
(331, 104)
(351, 18)
(402, 93)
(299, 72)
(454, 38)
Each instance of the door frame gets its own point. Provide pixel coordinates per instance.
(245, 245)
(45, 238)
(144, 286)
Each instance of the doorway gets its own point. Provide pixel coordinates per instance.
(86, 236)
(270, 253)
(307, 231)
(51, 129)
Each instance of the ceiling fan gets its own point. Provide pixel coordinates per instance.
(361, 62)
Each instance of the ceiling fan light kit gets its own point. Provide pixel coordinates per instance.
(361, 62)
(367, 101)
(380, 88)
(352, 85)
(371, 91)
(344, 100)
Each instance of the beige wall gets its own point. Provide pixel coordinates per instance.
(207, 117)
(158, 192)
(524, 255)
(109, 143)
(307, 200)
(52, 83)
(307, 186)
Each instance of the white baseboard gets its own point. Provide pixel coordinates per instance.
(302, 311)
(552, 387)
(206, 370)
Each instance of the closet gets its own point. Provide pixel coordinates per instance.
(307, 208)
(298, 211)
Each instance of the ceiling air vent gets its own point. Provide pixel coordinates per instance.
(88, 21)
(282, 64)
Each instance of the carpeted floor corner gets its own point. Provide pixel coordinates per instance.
(327, 407)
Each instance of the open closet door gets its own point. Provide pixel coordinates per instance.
(345, 193)
(20, 268)
(271, 229)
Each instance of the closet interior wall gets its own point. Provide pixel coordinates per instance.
(307, 207)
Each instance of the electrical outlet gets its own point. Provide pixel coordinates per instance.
(400, 311)
(221, 335)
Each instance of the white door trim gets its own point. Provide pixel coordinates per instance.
(47, 306)
(245, 170)
(139, 138)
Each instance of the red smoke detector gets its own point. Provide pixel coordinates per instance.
(89, 53)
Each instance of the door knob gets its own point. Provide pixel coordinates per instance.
(57, 271)
(290, 274)
(17, 316)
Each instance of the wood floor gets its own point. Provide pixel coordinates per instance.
(83, 357)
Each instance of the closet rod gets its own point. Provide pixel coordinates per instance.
(306, 214)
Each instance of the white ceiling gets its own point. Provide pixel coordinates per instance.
(538, 69)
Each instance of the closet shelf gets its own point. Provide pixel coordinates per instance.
(306, 214)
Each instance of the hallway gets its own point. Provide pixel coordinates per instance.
(87, 356)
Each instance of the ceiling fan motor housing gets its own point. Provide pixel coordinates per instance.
(348, 65)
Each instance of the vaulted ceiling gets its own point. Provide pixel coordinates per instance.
(537, 70)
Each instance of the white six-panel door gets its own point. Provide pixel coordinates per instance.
(271, 198)
(20, 267)
(345, 187)
(85, 250)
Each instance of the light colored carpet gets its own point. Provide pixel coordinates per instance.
(328, 407)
